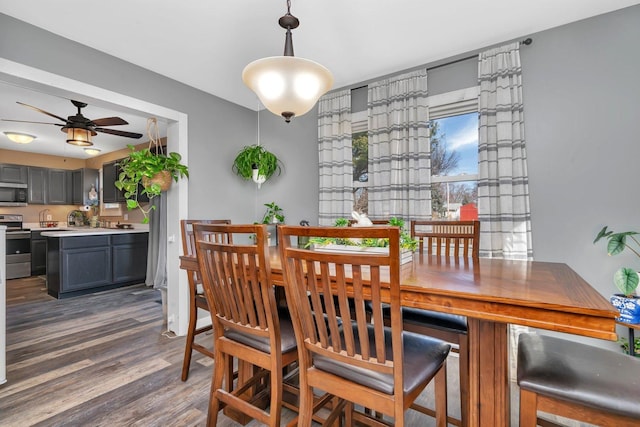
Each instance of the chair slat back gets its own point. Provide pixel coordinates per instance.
(456, 239)
(236, 278)
(320, 284)
(189, 241)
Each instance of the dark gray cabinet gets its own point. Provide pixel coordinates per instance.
(37, 186)
(38, 254)
(57, 187)
(78, 265)
(81, 182)
(110, 194)
(13, 173)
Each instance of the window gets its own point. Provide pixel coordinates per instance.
(454, 155)
(360, 159)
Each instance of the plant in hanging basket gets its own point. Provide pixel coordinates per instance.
(145, 172)
(256, 157)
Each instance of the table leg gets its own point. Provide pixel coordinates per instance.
(632, 343)
(489, 397)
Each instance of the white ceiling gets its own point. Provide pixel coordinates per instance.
(206, 44)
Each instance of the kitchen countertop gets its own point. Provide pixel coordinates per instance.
(87, 231)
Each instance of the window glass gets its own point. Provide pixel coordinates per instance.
(454, 166)
(360, 157)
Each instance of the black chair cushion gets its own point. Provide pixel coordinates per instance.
(434, 319)
(575, 372)
(288, 338)
(423, 357)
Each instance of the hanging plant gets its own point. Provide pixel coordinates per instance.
(148, 172)
(255, 157)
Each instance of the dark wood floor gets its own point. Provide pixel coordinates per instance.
(103, 360)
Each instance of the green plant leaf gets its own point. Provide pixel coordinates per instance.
(617, 243)
(626, 280)
(266, 162)
(603, 233)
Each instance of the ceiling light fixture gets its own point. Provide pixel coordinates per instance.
(287, 86)
(92, 151)
(20, 138)
(79, 136)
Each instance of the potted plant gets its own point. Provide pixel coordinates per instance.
(273, 215)
(146, 172)
(407, 244)
(254, 162)
(626, 279)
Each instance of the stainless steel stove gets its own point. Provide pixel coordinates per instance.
(18, 242)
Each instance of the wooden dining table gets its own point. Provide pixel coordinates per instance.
(492, 294)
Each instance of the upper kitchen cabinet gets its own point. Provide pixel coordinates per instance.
(110, 194)
(16, 174)
(57, 187)
(82, 180)
(37, 186)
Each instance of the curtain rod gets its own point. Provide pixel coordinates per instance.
(525, 42)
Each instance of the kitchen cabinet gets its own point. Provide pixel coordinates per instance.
(38, 254)
(57, 187)
(110, 194)
(82, 264)
(81, 182)
(37, 186)
(16, 174)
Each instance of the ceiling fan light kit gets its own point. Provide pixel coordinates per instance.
(78, 136)
(78, 128)
(19, 137)
(287, 86)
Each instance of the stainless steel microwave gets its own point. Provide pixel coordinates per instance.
(12, 194)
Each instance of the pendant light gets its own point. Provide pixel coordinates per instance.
(287, 86)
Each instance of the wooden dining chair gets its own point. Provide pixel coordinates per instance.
(380, 368)
(576, 381)
(197, 299)
(247, 324)
(455, 241)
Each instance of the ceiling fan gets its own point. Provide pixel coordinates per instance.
(78, 124)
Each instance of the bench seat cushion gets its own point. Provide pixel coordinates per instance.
(591, 376)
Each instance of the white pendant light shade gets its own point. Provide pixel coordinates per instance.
(288, 86)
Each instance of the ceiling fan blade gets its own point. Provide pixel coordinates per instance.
(27, 121)
(110, 121)
(119, 133)
(42, 111)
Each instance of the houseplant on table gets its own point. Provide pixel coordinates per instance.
(407, 244)
(626, 279)
(148, 171)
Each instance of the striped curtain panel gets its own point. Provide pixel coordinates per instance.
(399, 147)
(503, 189)
(334, 151)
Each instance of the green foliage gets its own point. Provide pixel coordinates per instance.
(266, 162)
(625, 279)
(273, 211)
(144, 164)
(406, 242)
(624, 343)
